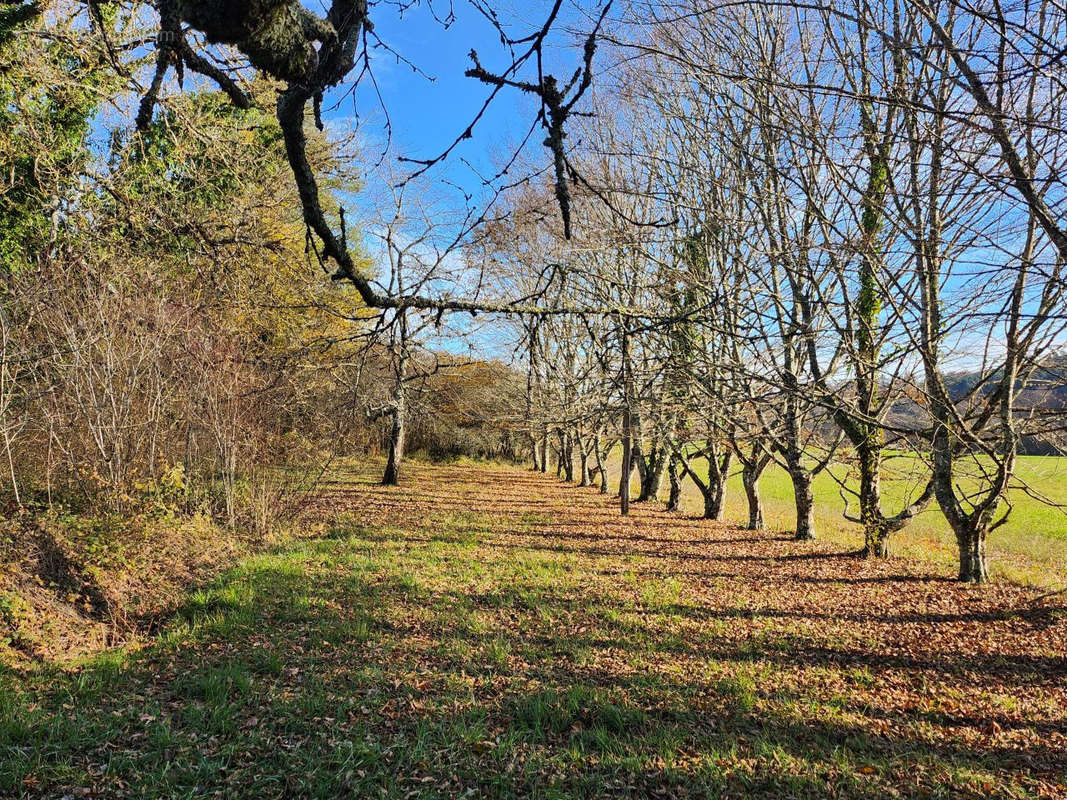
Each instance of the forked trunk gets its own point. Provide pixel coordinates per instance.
(971, 526)
(713, 504)
(602, 474)
(652, 479)
(583, 464)
(713, 490)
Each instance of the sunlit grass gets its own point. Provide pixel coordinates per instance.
(1031, 548)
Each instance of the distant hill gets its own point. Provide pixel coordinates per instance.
(1042, 404)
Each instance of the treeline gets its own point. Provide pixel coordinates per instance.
(161, 341)
(801, 226)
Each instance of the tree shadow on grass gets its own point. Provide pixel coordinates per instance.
(1034, 616)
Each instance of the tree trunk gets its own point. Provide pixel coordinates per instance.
(711, 491)
(750, 479)
(971, 528)
(627, 463)
(674, 499)
(713, 503)
(866, 436)
(602, 473)
(396, 447)
(875, 530)
(875, 541)
(627, 427)
(396, 429)
(652, 479)
(583, 462)
(973, 565)
(637, 458)
(804, 500)
(715, 495)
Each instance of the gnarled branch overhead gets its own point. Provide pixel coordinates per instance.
(310, 55)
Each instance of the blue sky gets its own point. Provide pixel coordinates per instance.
(429, 102)
(429, 107)
(427, 115)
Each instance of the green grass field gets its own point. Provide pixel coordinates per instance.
(1030, 549)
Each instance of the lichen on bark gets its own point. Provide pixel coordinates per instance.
(277, 36)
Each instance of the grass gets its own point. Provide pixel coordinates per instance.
(1031, 548)
(541, 647)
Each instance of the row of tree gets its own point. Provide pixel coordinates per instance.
(803, 224)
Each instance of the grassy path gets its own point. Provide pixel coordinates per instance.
(487, 632)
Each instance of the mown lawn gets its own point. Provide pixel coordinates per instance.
(486, 632)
